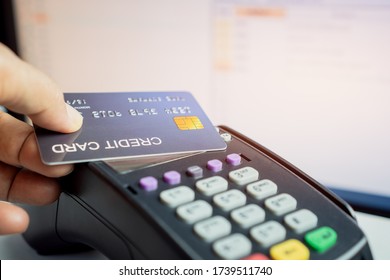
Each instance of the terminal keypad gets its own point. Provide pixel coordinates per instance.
(230, 194)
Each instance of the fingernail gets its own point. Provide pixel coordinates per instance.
(75, 117)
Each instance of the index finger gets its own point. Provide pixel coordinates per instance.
(26, 90)
(13, 219)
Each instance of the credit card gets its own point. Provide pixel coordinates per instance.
(119, 125)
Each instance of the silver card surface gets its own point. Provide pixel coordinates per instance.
(130, 124)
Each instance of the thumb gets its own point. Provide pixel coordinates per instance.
(28, 91)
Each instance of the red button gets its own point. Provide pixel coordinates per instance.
(256, 256)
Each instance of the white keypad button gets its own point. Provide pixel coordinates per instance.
(213, 228)
(244, 175)
(262, 189)
(177, 196)
(194, 211)
(248, 215)
(281, 204)
(269, 233)
(229, 200)
(235, 246)
(212, 185)
(301, 220)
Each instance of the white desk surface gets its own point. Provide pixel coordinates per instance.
(377, 229)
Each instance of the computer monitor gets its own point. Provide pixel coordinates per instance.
(307, 79)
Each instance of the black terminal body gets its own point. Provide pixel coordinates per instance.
(122, 212)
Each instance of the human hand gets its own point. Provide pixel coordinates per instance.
(23, 176)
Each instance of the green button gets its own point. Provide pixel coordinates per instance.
(321, 239)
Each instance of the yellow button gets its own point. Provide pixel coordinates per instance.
(291, 249)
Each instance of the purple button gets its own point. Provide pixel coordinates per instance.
(233, 159)
(148, 183)
(172, 177)
(214, 165)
